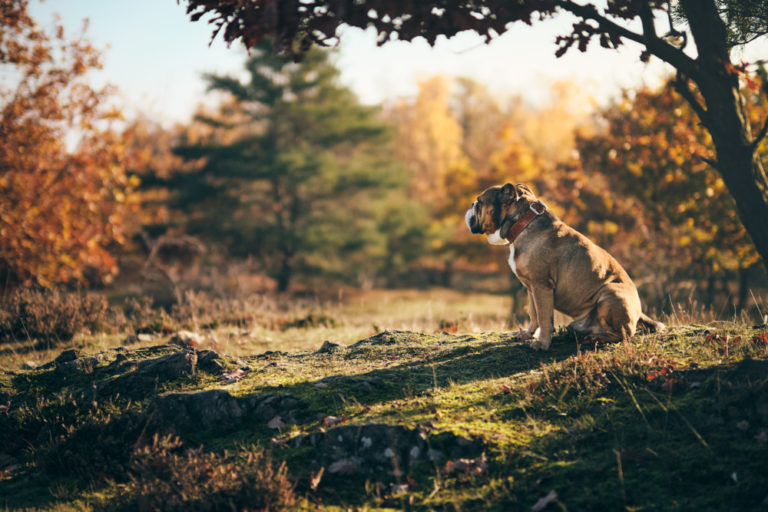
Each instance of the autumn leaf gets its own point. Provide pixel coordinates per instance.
(466, 465)
(233, 376)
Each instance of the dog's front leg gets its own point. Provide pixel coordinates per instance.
(544, 298)
(533, 321)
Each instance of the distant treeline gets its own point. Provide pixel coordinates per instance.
(292, 184)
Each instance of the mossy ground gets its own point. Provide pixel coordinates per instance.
(672, 421)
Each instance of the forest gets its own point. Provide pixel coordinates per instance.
(277, 305)
(299, 186)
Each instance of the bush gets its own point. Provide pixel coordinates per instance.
(50, 316)
(162, 478)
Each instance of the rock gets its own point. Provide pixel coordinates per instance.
(216, 408)
(197, 410)
(266, 407)
(8, 464)
(82, 365)
(378, 448)
(344, 467)
(329, 348)
(209, 361)
(29, 365)
(393, 338)
(67, 356)
(186, 339)
(144, 374)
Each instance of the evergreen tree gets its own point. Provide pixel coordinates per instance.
(297, 173)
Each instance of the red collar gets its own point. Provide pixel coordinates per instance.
(537, 208)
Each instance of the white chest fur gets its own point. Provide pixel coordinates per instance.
(511, 259)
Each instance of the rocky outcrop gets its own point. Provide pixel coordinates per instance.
(140, 375)
(218, 409)
(374, 448)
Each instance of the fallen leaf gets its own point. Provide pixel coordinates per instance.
(343, 467)
(551, 497)
(314, 480)
(466, 465)
(398, 488)
(233, 376)
(330, 421)
(276, 423)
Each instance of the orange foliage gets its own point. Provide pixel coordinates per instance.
(60, 209)
(652, 151)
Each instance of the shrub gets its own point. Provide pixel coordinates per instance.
(162, 478)
(50, 316)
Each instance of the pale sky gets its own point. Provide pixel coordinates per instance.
(155, 56)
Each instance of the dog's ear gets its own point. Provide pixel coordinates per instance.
(522, 189)
(508, 193)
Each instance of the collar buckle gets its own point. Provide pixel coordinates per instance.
(538, 207)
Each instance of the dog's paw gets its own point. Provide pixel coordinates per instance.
(523, 334)
(527, 334)
(539, 344)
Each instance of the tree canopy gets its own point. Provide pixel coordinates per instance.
(707, 78)
(61, 208)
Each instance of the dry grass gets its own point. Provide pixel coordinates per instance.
(258, 323)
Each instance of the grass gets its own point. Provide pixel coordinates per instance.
(259, 324)
(672, 421)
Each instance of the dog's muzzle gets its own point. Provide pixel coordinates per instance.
(471, 219)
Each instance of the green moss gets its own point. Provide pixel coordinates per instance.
(676, 421)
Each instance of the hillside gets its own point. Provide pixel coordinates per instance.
(677, 421)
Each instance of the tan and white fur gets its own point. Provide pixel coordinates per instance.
(561, 269)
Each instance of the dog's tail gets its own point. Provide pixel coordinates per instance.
(651, 324)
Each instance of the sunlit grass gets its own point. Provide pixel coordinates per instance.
(660, 423)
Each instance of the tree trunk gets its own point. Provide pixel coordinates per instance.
(725, 118)
(746, 181)
(284, 275)
(743, 287)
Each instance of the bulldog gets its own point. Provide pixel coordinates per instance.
(560, 268)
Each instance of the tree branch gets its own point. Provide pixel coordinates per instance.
(709, 161)
(658, 47)
(646, 18)
(673, 31)
(681, 86)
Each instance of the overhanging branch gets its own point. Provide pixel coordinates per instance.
(656, 46)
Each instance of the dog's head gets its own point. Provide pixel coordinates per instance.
(494, 206)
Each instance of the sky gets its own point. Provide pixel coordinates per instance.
(156, 57)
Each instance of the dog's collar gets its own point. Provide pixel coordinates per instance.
(536, 209)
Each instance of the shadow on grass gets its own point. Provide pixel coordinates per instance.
(461, 365)
(700, 446)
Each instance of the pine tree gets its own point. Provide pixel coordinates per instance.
(297, 173)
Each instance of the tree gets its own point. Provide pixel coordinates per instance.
(647, 152)
(294, 172)
(61, 209)
(709, 81)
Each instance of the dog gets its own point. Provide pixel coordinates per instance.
(560, 268)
